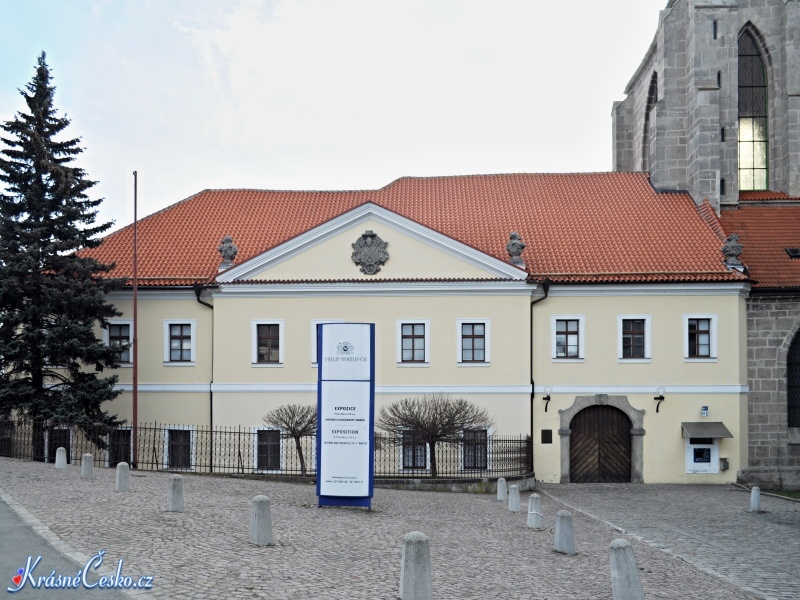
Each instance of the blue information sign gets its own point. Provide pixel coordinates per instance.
(345, 414)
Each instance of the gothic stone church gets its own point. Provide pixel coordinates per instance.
(714, 110)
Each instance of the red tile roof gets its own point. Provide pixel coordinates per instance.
(710, 217)
(764, 195)
(578, 228)
(765, 232)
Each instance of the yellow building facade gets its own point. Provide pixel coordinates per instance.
(622, 364)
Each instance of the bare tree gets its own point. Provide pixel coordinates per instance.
(296, 421)
(433, 418)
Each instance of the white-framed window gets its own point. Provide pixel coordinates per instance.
(473, 337)
(179, 448)
(180, 347)
(267, 342)
(314, 337)
(120, 446)
(414, 451)
(268, 456)
(413, 342)
(702, 455)
(633, 338)
(700, 337)
(118, 334)
(476, 449)
(567, 341)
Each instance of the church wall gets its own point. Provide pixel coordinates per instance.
(772, 323)
(694, 106)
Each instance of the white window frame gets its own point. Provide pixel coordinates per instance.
(254, 345)
(107, 338)
(712, 341)
(581, 338)
(314, 324)
(401, 449)
(709, 467)
(107, 452)
(258, 469)
(399, 331)
(193, 352)
(648, 321)
(167, 429)
(489, 433)
(487, 325)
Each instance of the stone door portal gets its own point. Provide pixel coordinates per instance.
(600, 446)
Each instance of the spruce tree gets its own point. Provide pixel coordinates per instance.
(51, 297)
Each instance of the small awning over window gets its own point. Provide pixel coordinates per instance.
(705, 429)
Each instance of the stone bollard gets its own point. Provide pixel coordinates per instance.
(87, 467)
(175, 494)
(625, 584)
(755, 500)
(513, 498)
(535, 515)
(502, 490)
(261, 522)
(123, 480)
(565, 535)
(61, 458)
(415, 570)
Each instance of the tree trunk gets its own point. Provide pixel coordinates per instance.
(300, 455)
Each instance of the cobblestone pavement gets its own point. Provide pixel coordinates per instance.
(707, 526)
(478, 548)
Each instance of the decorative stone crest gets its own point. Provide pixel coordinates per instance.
(602, 399)
(369, 252)
(515, 247)
(228, 250)
(732, 249)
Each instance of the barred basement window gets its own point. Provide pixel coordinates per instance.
(414, 451)
(268, 455)
(119, 447)
(179, 449)
(475, 448)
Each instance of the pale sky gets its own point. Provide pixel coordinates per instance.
(324, 94)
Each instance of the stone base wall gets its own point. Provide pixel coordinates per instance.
(772, 324)
(770, 479)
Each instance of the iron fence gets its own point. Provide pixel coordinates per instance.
(260, 450)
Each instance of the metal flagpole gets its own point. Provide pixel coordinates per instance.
(135, 348)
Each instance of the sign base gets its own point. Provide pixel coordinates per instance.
(365, 502)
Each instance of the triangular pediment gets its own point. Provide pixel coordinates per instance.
(415, 252)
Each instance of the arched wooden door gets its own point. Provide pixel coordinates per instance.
(600, 446)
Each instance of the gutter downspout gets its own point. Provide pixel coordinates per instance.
(198, 289)
(546, 288)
